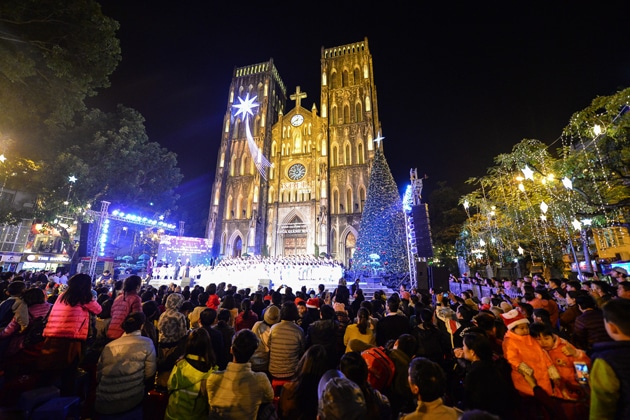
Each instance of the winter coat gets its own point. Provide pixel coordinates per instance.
(172, 323)
(123, 305)
(67, 321)
(123, 367)
(185, 400)
(286, 346)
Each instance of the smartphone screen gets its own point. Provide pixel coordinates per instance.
(581, 372)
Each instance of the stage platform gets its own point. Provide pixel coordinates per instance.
(368, 284)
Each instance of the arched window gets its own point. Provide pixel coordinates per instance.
(335, 203)
(358, 114)
(239, 208)
(361, 198)
(357, 76)
(349, 200)
(333, 159)
(243, 164)
(271, 197)
(347, 155)
(274, 146)
(333, 80)
(232, 165)
(333, 115)
(360, 158)
(346, 114)
(333, 243)
(344, 78)
(229, 211)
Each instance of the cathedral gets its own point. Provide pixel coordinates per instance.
(309, 198)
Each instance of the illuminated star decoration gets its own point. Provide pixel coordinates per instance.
(244, 108)
(528, 173)
(378, 140)
(2, 158)
(72, 179)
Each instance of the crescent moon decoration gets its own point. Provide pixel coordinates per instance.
(244, 108)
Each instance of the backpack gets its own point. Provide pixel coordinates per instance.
(381, 368)
(6, 313)
(34, 333)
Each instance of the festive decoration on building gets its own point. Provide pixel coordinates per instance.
(381, 245)
(244, 108)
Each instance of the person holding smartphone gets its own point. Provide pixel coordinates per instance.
(610, 393)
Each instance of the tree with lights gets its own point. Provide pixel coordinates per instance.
(382, 243)
(534, 200)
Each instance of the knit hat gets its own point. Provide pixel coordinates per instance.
(272, 315)
(312, 303)
(513, 318)
(298, 300)
(506, 306)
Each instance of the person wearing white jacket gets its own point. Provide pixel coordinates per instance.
(125, 366)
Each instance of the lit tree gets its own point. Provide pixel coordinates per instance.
(382, 237)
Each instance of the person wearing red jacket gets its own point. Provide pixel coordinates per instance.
(67, 331)
(126, 303)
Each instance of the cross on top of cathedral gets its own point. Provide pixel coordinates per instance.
(298, 96)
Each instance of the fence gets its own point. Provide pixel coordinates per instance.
(479, 291)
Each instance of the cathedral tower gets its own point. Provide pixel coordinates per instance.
(312, 199)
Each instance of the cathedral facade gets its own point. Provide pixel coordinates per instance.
(310, 200)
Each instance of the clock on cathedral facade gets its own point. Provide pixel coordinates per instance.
(311, 199)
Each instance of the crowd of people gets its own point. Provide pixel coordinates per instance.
(549, 349)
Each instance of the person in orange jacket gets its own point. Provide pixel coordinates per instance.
(531, 365)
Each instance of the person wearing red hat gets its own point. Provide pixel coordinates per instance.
(531, 365)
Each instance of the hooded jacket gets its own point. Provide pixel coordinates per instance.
(172, 323)
(184, 385)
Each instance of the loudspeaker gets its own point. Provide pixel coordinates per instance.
(422, 229)
(422, 275)
(438, 279)
(84, 239)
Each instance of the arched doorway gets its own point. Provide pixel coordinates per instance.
(350, 245)
(294, 240)
(237, 249)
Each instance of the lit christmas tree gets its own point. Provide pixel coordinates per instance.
(382, 243)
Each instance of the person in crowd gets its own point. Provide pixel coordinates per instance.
(66, 332)
(229, 303)
(286, 343)
(623, 290)
(619, 274)
(14, 308)
(563, 355)
(464, 315)
(342, 293)
(428, 383)
(238, 392)
(258, 305)
(298, 399)
(213, 301)
(432, 343)
(393, 325)
(358, 298)
(193, 317)
(186, 400)
(542, 300)
(601, 292)
(126, 365)
(206, 319)
(224, 327)
(354, 367)
(402, 352)
(246, 318)
(340, 398)
(127, 302)
(324, 332)
(610, 375)
(488, 384)
(362, 330)
(589, 328)
(152, 313)
(22, 354)
(312, 313)
(570, 314)
(172, 332)
(262, 329)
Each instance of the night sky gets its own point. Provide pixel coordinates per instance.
(456, 85)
